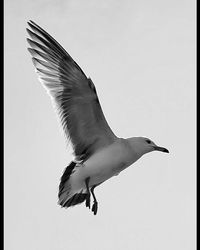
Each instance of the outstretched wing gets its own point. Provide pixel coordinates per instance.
(73, 93)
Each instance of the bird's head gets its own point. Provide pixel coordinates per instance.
(142, 145)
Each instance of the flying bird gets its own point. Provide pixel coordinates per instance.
(98, 153)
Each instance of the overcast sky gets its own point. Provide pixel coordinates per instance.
(141, 56)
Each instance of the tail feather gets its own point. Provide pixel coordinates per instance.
(65, 177)
(76, 199)
(65, 195)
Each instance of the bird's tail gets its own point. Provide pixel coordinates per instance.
(66, 197)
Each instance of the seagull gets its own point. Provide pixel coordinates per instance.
(98, 153)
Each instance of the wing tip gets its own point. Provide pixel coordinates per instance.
(30, 22)
(30, 42)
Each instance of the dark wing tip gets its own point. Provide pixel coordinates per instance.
(28, 31)
(29, 41)
(30, 21)
(33, 25)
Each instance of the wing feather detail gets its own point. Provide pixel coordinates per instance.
(74, 94)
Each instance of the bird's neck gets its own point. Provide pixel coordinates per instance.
(135, 147)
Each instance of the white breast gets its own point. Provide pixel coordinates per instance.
(103, 165)
(106, 163)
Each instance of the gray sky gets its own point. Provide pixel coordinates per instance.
(141, 57)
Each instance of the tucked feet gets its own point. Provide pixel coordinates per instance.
(89, 192)
(95, 207)
(87, 202)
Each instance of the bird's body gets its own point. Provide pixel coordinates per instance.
(99, 153)
(103, 164)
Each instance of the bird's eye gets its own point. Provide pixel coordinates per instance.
(148, 141)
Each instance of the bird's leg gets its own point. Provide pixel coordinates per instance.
(95, 205)
(87, 203)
